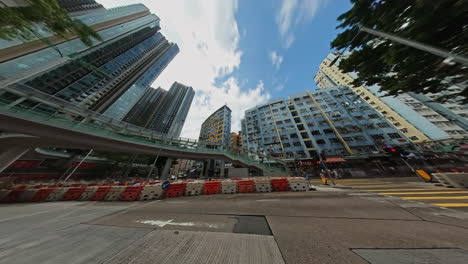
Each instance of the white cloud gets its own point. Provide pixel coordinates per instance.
(292, 13)
(276, 59)
(228, 93)
(208, 38)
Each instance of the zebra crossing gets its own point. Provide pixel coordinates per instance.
(407, 190)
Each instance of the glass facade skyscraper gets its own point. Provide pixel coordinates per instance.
(110, 76)
(163, 111)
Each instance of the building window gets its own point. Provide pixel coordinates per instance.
(394, 135)
(414, 138)
(321, 142)
(382, 125)
(377, 136)
(374, 116)
(349, 139)
(360, 138)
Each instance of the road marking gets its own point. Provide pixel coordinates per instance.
(451, 204)
(416, 189)
(395, 193)
(382, 186)
(436, 198)
(362, 183)
(170, 222)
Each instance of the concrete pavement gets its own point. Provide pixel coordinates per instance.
(325, 226)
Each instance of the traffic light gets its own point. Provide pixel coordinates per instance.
(395, 151)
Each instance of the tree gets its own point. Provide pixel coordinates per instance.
(20, 22)
(398, 68)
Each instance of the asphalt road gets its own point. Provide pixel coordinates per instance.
(331, 225)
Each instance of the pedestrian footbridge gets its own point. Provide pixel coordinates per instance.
(30, 118)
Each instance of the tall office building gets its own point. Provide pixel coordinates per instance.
(109, 77)
(163, 111)
(419, 117)
(217, 127)
(332, 120)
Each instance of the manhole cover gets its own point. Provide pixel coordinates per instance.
(247, 224)
(413, 256)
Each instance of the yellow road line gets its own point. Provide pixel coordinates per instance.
(436, 198)
(397, 190)
(395, 193)
(451, 204)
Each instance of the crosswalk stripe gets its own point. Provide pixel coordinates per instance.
(436, 198)
(397, 190)
(399, 193)
(451, 204)
(362, 183)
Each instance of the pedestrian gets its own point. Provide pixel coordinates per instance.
(337, 174)
(332, 176)
(323, 176)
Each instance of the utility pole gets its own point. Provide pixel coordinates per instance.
(77, 166)
(152, 165)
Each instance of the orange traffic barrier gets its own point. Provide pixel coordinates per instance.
(212, 187)
(280, 185)
(101, 192)
(42, 194)
(175, 189)
(245, 186)
(423, 174)
(131, 193)
(73, 193)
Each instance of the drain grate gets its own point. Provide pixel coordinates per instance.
(413, 256)
(249, 224)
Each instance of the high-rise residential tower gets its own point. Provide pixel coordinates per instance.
(217, 127)
(236, 142)
(332, 120)
(418, 116)
(163, 111)
(216, 130)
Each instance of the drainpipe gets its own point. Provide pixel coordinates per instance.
(330, 123)
(276, 128)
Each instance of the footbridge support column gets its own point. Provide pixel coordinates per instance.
(166, 168)
(9, 154)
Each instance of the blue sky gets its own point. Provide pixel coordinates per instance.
(295, 65)
(243, 52)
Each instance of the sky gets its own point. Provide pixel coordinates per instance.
(242, 53)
